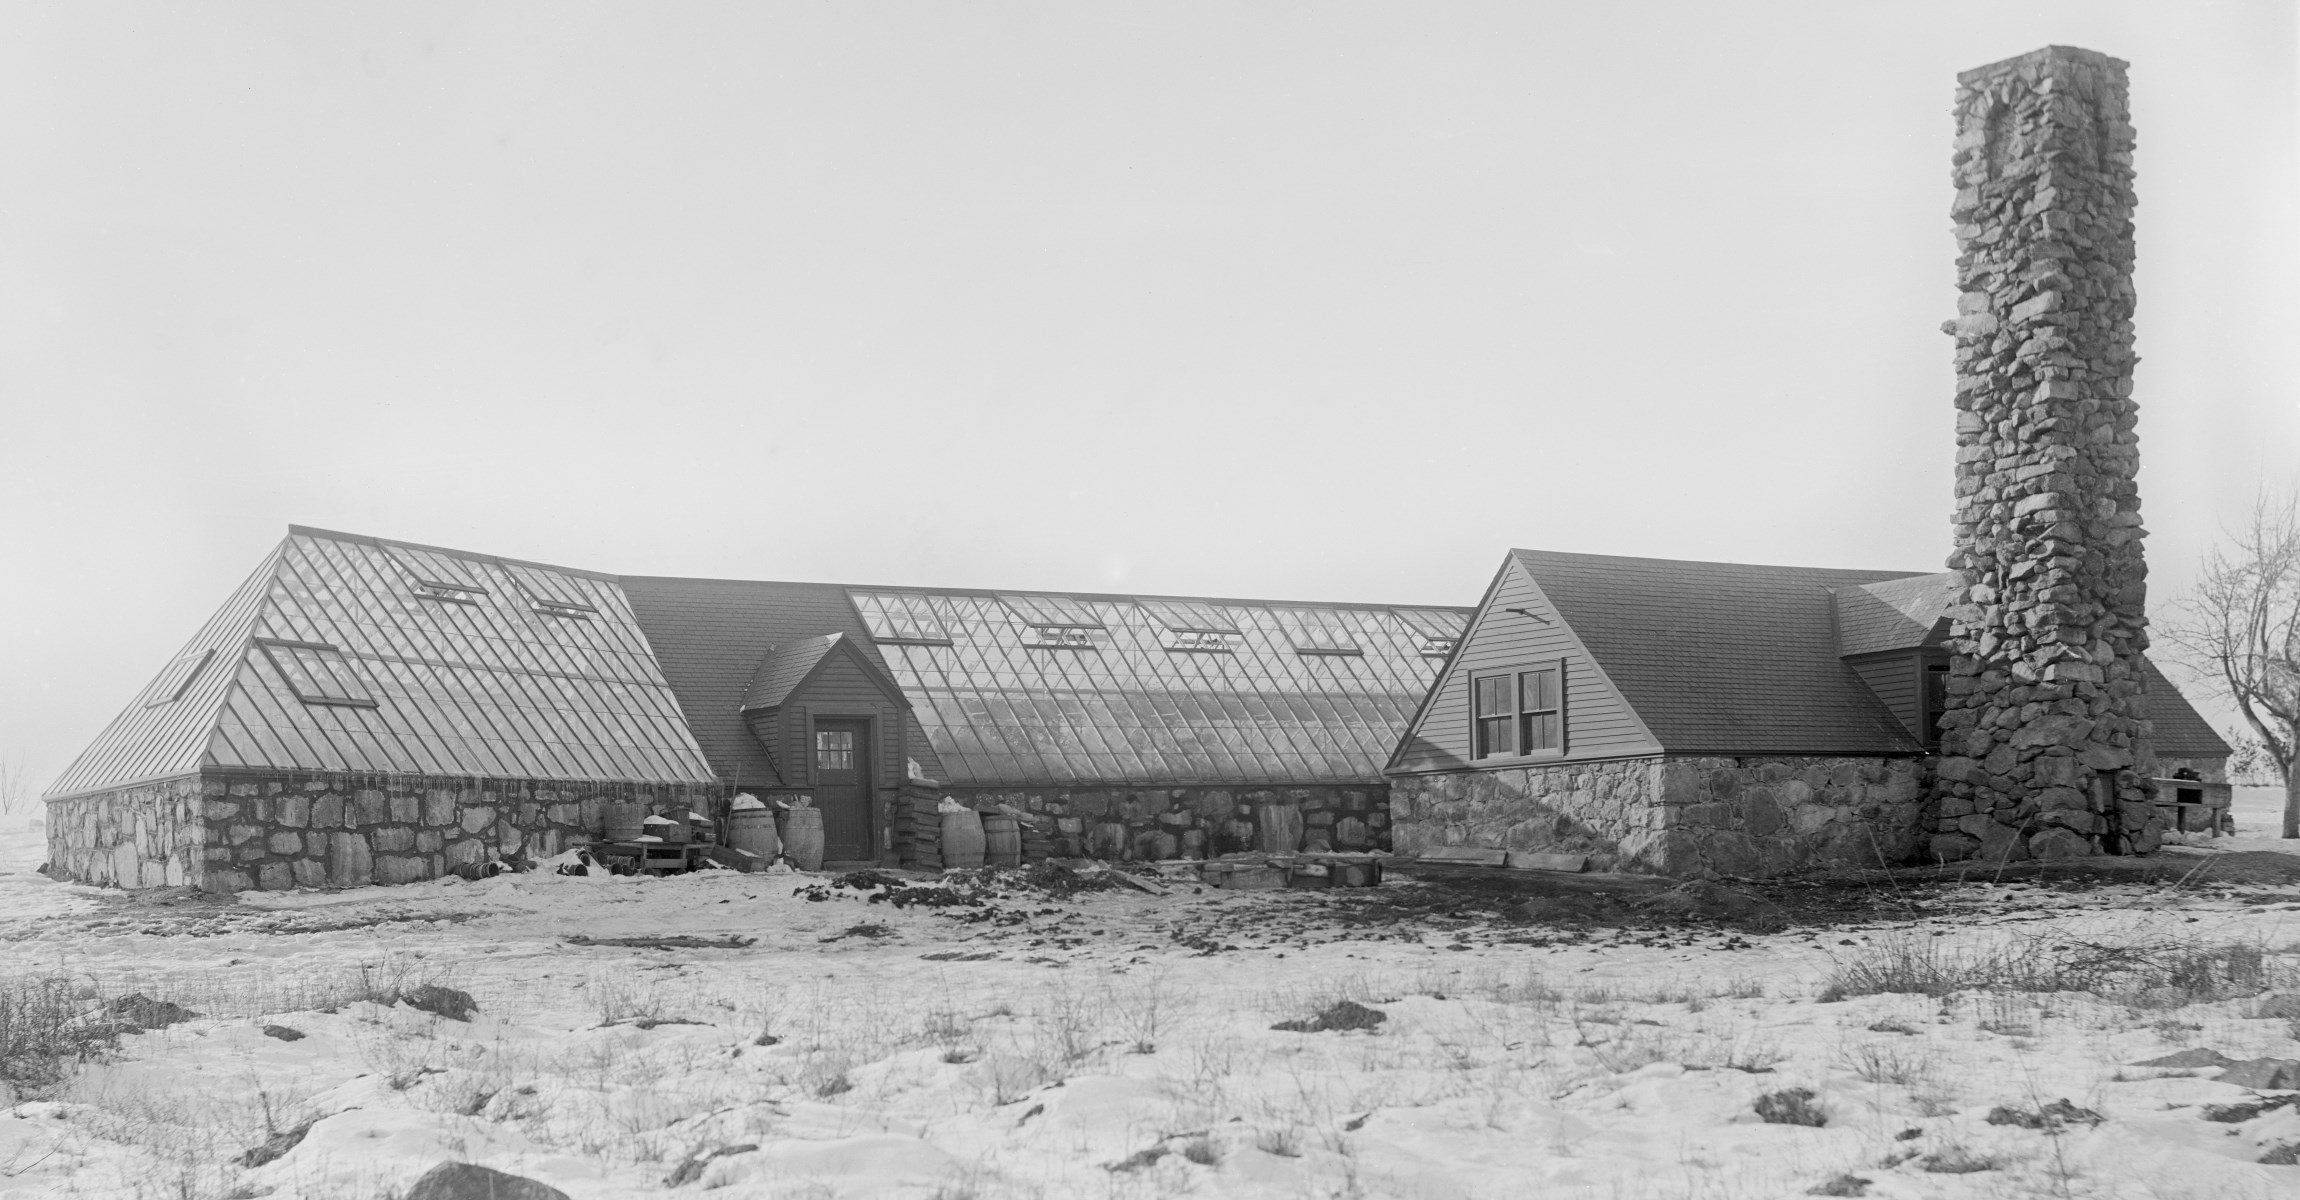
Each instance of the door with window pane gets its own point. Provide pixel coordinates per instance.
(842, 789)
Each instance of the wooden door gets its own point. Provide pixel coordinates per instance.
(842, 789)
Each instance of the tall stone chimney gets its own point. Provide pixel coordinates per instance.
(2045, 737)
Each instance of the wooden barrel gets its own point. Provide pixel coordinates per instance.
(1001, 840)
(753, 830)
(623, 822)
(1107, 841)
(803, 837)
(961, 839)
(1279, 828)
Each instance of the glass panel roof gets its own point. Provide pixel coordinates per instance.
(1318, 631)
(428, 568)
(1191, 616)
(1053, 610)
(901, 617)
(1434, 622)
(175, 677)
(1002, 704)
(549, 590)
(317, 674)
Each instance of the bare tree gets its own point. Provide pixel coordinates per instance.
(2241, 631)
(13, 793)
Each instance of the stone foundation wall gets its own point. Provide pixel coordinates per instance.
(149, 835)
(1780, 816)
(1149, 824)
(333, 831)
(1605, 810)
(1678, 816)
(233, 833)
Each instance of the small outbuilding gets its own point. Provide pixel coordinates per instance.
(1692, 717)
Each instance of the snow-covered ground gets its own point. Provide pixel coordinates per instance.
(1118, 1044)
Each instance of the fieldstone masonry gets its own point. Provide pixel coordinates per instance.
(231, 834)
(2045, 739)
(148, 835)
(1679, 816)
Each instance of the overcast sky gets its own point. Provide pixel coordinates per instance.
(1313, 301)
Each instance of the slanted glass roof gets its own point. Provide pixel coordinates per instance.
(1007, 702)
(428, 569)
(549, 591)
(176, 677)
(901, 617)
(1318, 631)
(1439, 628)
(497, 685)
(317, 674)
(1189, 616)
(1053, 611)
(349, 654)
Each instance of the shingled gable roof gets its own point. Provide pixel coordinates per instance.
(786, 670)
(1724, 658)
(1894, 614)
(2179, 730)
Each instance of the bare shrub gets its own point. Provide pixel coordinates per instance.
(1790, 1106)
(618, 1001)
(1958, 1159)
(44, 1031)
(1284, 1141)
(1888, 1062)
(1141, 1012)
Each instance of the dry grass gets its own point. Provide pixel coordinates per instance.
(2156, 974)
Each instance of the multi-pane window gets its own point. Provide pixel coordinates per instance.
(1541, 711)
(435, 576)
(1437, 630)
(834, 750)
(1496, 715)
(1520, 713)
(551, 593)
(318, 673)
(173, 680)
(1936, 700)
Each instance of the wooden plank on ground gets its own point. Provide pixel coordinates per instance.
(1476, 856)
(1573, 864)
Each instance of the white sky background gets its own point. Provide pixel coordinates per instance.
(1315, 300)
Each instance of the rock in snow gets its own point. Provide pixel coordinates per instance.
(470, 1181)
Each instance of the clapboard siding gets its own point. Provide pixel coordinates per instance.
(843, 689)
(1895, 678)
(1598, 723)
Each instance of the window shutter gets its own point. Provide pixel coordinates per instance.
(1564, 714)
(796, 736)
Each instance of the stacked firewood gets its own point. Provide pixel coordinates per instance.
(918, 826)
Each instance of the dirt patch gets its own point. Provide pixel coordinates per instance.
(1339, 1017)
